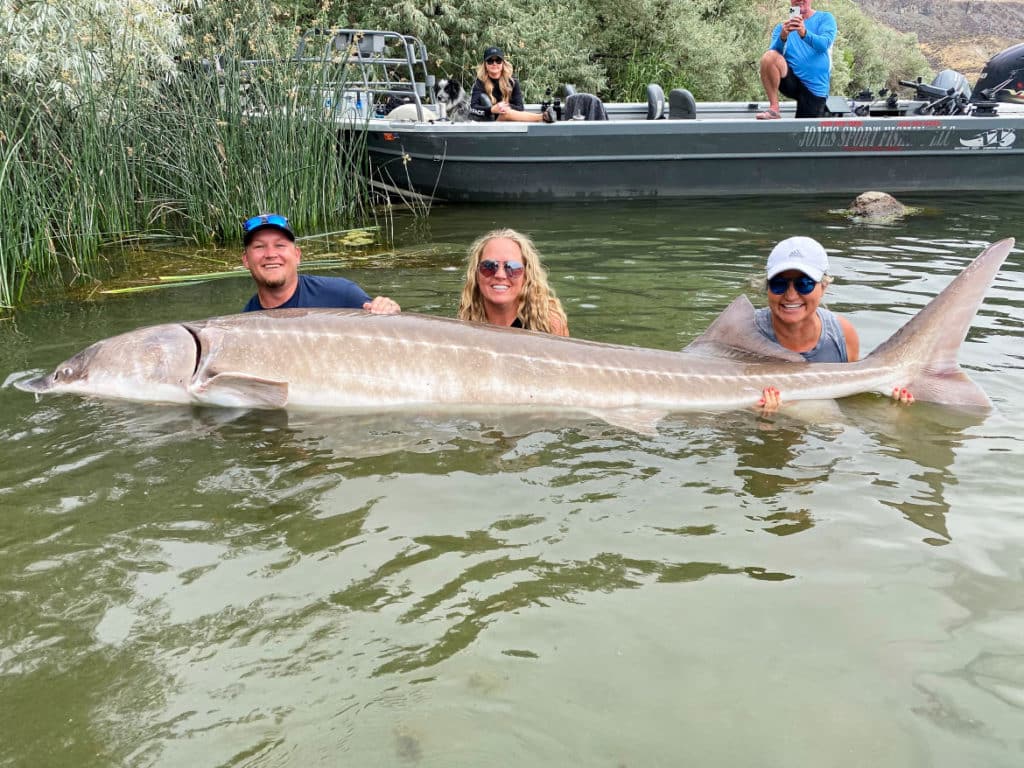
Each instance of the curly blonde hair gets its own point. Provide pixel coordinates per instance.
(538, 304)
(504, 82)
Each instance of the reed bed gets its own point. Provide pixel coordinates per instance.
(191, 156)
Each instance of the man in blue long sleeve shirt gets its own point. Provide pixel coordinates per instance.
(799, 61)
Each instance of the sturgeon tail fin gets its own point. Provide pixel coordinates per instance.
(926, 347)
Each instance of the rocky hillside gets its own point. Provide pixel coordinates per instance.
(954, 34)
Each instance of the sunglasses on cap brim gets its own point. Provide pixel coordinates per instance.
(274, 219)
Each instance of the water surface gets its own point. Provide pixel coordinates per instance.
(836, 587)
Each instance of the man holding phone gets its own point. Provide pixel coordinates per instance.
(798, 63)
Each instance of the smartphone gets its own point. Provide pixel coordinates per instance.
(793, 11)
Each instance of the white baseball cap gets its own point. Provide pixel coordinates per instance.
(804, 254)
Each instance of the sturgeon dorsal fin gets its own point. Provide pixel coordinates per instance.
(734, 336)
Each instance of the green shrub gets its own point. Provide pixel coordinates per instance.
(134, 149)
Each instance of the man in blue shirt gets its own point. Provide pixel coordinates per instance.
(798, 63)
(272, 258)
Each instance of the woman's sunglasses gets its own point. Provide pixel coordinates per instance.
(489, 268)
(495, 61)
(265, 218)
(803, 284)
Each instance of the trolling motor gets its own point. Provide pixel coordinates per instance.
(947, 94)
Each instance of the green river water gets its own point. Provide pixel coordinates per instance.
(191, 587)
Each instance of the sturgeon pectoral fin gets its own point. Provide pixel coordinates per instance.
(813, 411)
(239, 390)
(642, 420)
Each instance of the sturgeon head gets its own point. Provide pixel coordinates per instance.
(152, 364)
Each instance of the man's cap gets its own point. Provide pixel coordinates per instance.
(266, 221)
(493, 51)
(803, 254)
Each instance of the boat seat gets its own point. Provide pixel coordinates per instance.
(655, 102)
(569, 89)
(836, 106)
(584, 106)
(681, 105)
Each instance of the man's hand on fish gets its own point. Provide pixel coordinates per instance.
(382, 305)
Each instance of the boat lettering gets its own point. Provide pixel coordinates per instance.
(942, 137)
(853, 137)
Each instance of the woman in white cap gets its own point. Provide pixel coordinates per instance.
(797, 276)
(496, 94)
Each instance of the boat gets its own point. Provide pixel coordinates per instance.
(943, 137)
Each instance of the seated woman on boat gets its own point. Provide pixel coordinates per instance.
(496, 94)
(507, 285)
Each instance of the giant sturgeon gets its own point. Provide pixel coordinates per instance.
(335, 358)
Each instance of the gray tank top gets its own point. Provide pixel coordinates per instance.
(831, 346)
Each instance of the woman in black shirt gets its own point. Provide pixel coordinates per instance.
(495, 82)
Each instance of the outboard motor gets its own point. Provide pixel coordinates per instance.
(1002, 79)
(950, 79)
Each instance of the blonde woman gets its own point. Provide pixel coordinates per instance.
(506, 285)
(504, 98)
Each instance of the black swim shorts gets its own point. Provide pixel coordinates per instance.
(807, 104)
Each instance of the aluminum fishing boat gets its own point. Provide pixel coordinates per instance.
(943, 136)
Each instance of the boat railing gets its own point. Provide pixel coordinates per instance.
(360, 70)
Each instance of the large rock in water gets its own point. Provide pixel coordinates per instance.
(877, 206)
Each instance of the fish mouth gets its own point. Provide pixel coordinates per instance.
(30, 381)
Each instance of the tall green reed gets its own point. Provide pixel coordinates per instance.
(188, 156)
(260, 138)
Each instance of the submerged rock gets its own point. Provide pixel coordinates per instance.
(877, 206)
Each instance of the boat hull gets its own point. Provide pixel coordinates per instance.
(631, 158)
